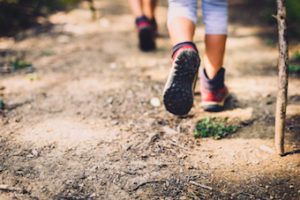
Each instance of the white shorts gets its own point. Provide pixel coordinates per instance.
(214, 12)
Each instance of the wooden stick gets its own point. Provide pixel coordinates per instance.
(7, 188)
(282, 78)
(201, 185)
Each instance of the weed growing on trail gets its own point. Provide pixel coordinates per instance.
(1, 104)
(217, 128)
(20, 64)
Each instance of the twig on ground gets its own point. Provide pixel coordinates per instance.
(201, 185)
(7, 188)
(145, 183)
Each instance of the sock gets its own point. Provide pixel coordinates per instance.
(142, 22)
(189, 45)
(213, 84)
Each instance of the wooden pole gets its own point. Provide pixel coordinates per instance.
(282, 78)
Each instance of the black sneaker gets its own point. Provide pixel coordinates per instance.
(146, 34)
(179, 89)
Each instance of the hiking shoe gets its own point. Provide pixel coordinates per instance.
(179, 89)
(155, 27)
(213, 91)
(146, 34)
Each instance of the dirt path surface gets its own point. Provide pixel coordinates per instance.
(81, 126)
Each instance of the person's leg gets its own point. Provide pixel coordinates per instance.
(213, 89)
(214, 53)
(178, 92)
(145, 25)
(149, 8)
(136, 7)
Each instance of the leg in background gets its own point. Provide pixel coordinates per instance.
(149, 8)
(144, 11)
(136, 7)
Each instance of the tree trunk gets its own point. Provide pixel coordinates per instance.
(282, 78)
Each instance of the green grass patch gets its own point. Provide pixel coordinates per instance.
(1, 104)
(20, 64)
(216, 128)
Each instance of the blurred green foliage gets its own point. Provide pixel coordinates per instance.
(21, 14)
(293, 10)
(293, 14)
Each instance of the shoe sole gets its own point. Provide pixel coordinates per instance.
(179, 90)
(214, 106)
(146, 40)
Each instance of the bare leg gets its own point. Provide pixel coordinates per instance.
(181, 29)
(136, 7)
(214, 54)
(149, 8)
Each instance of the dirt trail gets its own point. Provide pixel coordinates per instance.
(84, 127)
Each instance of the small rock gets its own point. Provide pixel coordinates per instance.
(169, 130)
(114, 122)
(155, 102)
(17, 120)
(267, 186)
(93, 195)
(110, 100)
(29, 156)
(35, 152)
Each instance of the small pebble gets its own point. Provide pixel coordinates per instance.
(155, 102)
(35, 152)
